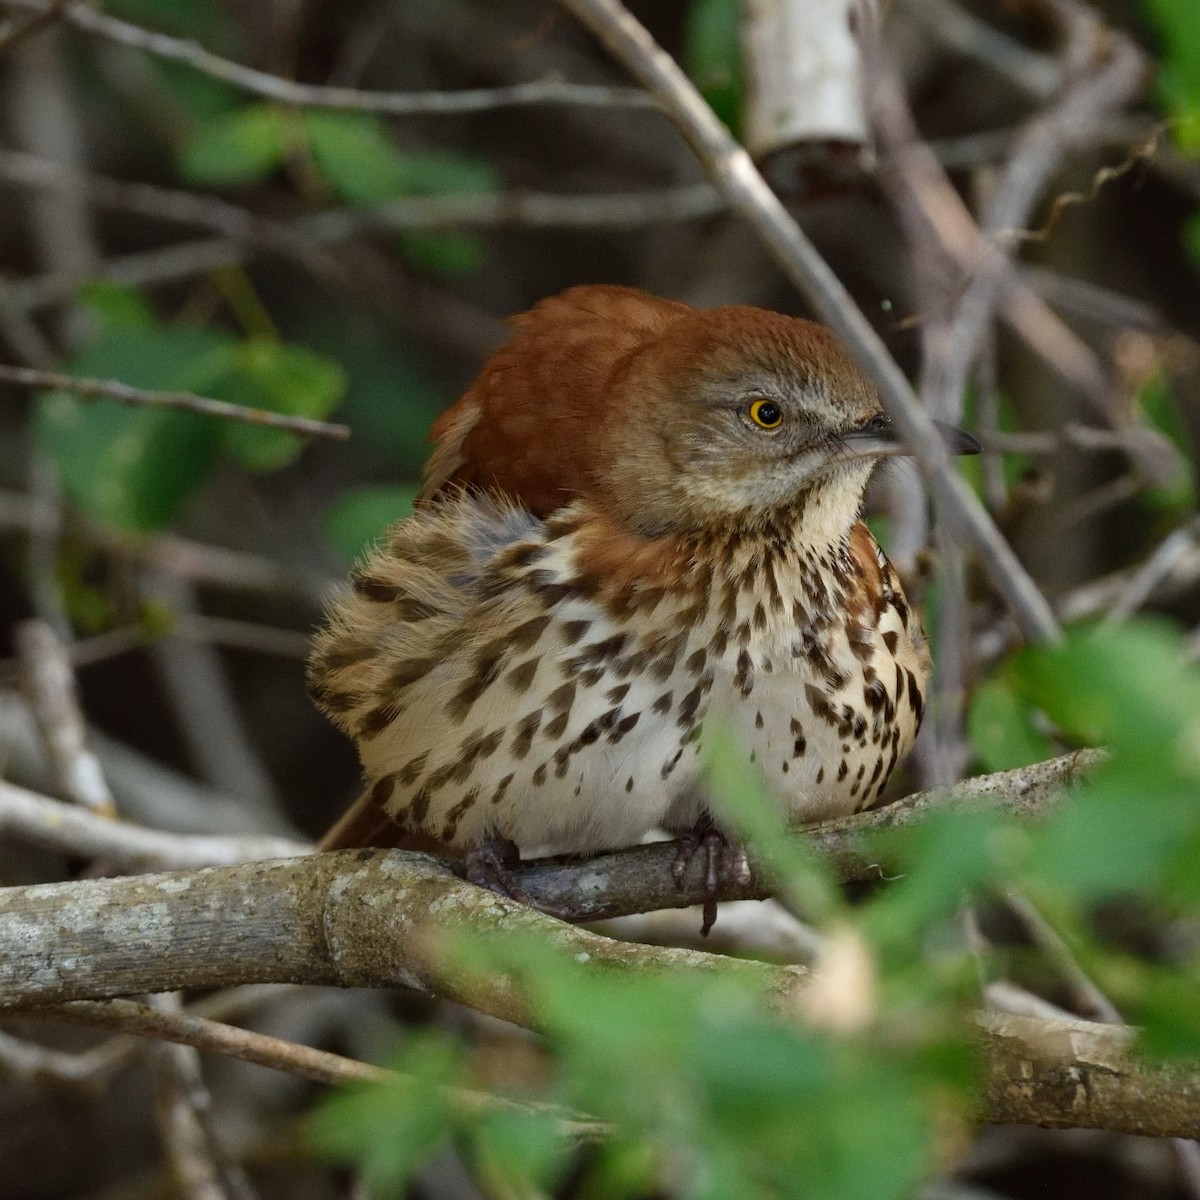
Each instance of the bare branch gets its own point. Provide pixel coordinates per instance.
(111, 389)
(634, 880)
(382, 919)
(50, 688)
(273, 87)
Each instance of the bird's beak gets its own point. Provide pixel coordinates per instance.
(886, 442)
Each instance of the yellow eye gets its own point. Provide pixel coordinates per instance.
(766, 414)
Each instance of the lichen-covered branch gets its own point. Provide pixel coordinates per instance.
(386, 918)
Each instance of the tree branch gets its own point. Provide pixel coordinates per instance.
(111, 389)
(376, 918)
(274, 87)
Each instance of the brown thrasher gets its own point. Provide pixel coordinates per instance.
(639, 522)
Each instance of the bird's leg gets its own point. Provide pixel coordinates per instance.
(489, 865)
(725, 861)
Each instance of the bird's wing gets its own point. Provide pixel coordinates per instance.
(521, 429)
(463, 597)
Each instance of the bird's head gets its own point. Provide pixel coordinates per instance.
(672, 419)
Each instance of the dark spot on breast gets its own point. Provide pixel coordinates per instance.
(914, 695)
(557, 726)
(671, 763)
(695, 662)
(501, 788)
(617, 694)
(604, 650)
(572, 631)
(373, 588)
(528, 632)
(524, 554)
(456, 814)
(663, 703)
(407, 608)
(521, 676)
(376, 721)
(381, 790)
(632, 664)
(758, 720)
(484, 671)
(843, 771)
(562, 760)
(629, 784)
(891, 640)
(760, 616)
(624, 726)
(691, 702)
(786, 766)
(798, 747)
(901, 607)
(418, 808)
(744, 677)
(527, 726)
(345, 654)
(591, 731)
(875, 695)
(561, 698)
(821, 775)
(720, 642)
(411, 769)
(408, 672)
(539, 776)
(818, 702)
(334, 702)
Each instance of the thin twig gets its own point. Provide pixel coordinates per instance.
(273, 87)
(318, 1066)
(111, 389)
(50, 688)
(732, 170)
(15, 32)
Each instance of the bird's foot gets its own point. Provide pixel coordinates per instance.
(489, 865)
(725, 861)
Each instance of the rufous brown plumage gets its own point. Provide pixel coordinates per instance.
(639, 524)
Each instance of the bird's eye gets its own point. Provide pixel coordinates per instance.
(766, 414)
(879, 423)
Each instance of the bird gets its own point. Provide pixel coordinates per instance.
(639, 526)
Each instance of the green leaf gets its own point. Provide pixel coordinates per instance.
(363, 164)
(712, 55)
(1179, 78)
(359, 517)
(1000, 725)
(135, 467)
(279, 378)
(243, 146)
(453, 252)
(116, 304)
(1161, 411)
(388, 1130)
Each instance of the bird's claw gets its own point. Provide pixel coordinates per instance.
(489, 865)
(725, 861)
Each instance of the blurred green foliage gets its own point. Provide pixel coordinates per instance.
(712, 56)
(135, 468)
(710, 1093)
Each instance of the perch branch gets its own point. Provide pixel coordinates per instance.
(384, 919)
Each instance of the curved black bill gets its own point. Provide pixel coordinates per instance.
(956, 440)
(879, 440)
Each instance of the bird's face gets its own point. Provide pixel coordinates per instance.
(730, 418)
